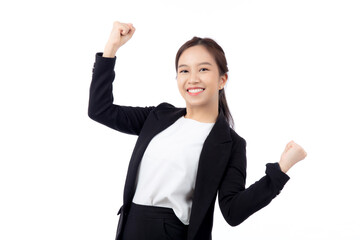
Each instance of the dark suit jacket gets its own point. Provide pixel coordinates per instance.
(222, 163)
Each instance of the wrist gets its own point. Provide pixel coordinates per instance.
(109, 51)
(283, 167)
(108, 54)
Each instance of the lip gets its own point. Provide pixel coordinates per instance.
(194, 94)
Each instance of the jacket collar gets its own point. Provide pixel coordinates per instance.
(220, 132)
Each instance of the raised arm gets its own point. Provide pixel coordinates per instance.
(237, 203)
(125, 119)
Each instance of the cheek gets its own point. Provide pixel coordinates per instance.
(180, 86)
(180, 82)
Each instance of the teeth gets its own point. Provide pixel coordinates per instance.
(196, 90)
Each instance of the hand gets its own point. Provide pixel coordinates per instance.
(120, 34)
(292, 154)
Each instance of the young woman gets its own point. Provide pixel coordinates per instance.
(184, 157)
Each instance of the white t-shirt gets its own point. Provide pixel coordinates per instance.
(167, 171)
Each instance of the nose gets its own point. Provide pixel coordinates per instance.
(193, 78)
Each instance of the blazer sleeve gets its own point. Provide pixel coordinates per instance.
(125, 119)
(237, 203)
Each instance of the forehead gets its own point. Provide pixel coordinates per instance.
(195, 55)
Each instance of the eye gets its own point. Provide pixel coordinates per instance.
(204, 69)
(183, 71)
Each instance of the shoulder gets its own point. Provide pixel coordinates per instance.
(238, 152)
(237, 139)
(165, 105)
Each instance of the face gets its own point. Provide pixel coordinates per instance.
(198, 78)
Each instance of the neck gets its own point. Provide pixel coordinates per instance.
(202, 114)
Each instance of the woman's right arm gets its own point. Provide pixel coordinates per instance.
(125, 119)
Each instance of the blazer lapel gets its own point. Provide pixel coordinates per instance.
(212, 164)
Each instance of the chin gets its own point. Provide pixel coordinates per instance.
(195, 103)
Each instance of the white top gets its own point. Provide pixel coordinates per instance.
(167, 171)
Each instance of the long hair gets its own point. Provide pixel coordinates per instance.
(218, 53)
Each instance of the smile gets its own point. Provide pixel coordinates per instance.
(195, 91)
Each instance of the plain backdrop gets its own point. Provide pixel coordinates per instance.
(293, 75)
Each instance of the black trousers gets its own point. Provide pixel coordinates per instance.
(153, 223)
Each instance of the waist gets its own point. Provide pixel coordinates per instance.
(145, 211)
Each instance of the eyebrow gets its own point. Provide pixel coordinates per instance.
(203, 63)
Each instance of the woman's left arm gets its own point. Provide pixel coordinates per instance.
(237, 203)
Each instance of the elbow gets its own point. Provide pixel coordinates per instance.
(234, 221)
(99, 112)
(231, 222)
(92, 114)
(233, 215)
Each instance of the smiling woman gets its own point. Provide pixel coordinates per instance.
(201, 64)
(183, 157)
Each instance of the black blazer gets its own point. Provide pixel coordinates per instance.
(222, 163)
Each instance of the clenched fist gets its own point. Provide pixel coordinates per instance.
(292, 154)
(120, 34)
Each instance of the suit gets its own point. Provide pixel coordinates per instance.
(222, 163)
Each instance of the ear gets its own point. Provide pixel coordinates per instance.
(223, 80)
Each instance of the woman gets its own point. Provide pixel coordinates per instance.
(183, 157)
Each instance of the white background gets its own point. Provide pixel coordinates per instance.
(294, 73)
